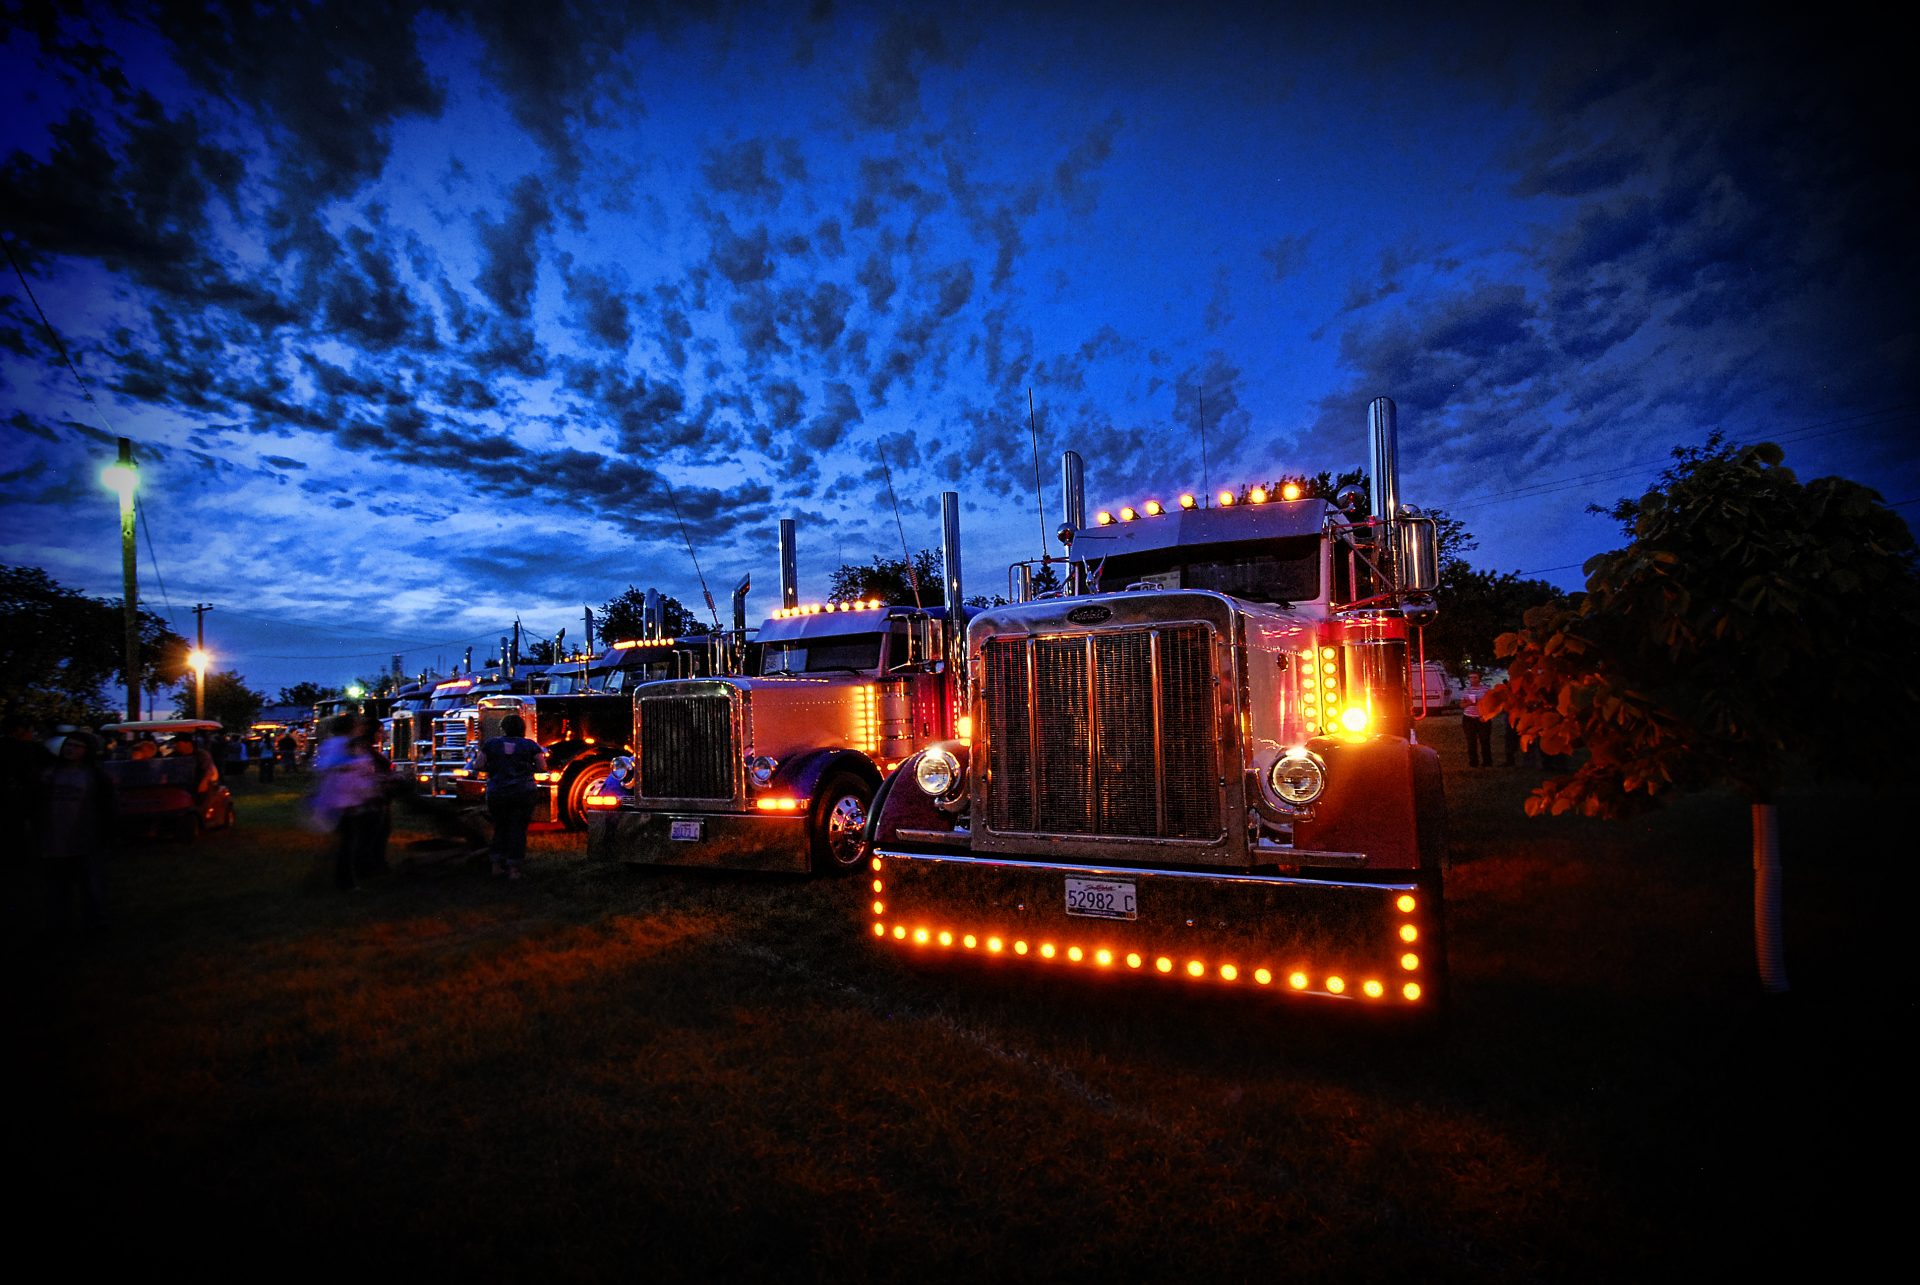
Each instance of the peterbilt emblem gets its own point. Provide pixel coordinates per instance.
(1089, 615)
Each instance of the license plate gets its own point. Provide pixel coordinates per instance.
(1101, 898)
(685, 831)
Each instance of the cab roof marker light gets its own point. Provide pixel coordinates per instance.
(1290, 491)
(1128, 514)
(1226, 499)
(1187, 500)
(1154, 509)
(1104, 518)
(1258, 495)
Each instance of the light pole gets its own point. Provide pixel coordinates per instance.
(122, 477)
(197, 659)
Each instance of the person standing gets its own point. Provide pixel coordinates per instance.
(510, 761)
(266, 759)
(346, 796)
(78, 820)
(1479, 732)
(289, 753)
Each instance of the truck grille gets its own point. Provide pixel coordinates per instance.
(402, 738)
(686, 747)
(1078, 745)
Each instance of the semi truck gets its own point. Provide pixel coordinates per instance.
(1196, 764)
(776, 769)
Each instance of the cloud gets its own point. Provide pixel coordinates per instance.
(598, 297)
(1286, 256)
(888, 96)
(509, 254)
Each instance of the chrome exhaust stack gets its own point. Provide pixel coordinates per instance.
(737, 654)
(1073, 516)
(953, 594)
(1408, 543)
(651, 612)
(789, 567)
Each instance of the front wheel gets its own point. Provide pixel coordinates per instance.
(573, 796)
(838, 823)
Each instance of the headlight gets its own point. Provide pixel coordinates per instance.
(622, 770)
(761, 769)
(1298, 776)
(937, 772)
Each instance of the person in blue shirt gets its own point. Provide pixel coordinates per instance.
(511, 761)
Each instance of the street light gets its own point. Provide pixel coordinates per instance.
(122, 477)
(197, 660)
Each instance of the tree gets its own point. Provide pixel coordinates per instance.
(60, 648)
(887, 580)
(306, 694)
(622, 617)
(1755, 630)
(229, 700)
(1476, 608)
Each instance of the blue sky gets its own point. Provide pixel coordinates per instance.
(422, 316)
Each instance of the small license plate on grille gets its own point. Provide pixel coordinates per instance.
(685, 831)
(1101, 898)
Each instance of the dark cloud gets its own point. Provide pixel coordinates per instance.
(282, 462)
(599, 299)
(754, 170)
(509, 253)
(1286, 256)
(838, 415)
(1070, 176)
(741, 259)
(888, 96)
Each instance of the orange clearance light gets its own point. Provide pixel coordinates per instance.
(1405, 904)
(1409, 933)
(1187, 501)
(1373, 989)
(1019, 948)
(1353, 718)
(1195, 968)
(1411, 990)
(1228, 972)
(876, 863)
(1103, 957)
(899, 933)
(879, 930)
(1104, 518)
(1226, 499)
(1297, 980)
(1291, 491)
(969, 941)
(1046, 950)
(1153, 509)
(1133, 959)
(920, 935)
(1409, 961)
(1337, 985)
(879, 907)
(946, 939)
(963, 727)
(1164, 964)
(1326, 653)
(993, 945)
(1262, 976)
(1074, 953)
(602, 801)
(877, 886)
(1127, 514)
(1258, 495)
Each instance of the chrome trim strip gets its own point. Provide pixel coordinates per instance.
(1123, 872)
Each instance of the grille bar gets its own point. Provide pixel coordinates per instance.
(1104, 734)
(686, 747)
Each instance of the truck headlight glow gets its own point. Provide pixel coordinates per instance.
(761, 768)
(622, 770)
(937, 772)
(1298, 776)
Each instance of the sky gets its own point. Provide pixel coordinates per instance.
(427, 317)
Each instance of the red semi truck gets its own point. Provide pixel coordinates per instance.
(776, 769)
(1197, 764)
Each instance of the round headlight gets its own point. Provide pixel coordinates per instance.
(937, 772)
(621, 769)
(761, 769)
(1298, 776)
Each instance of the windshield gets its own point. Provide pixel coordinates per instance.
(1257, 570)
(848, 653)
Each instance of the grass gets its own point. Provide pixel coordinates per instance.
(602, 1073)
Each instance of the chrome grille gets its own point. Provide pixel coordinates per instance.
(686, 747)
(1103, 734)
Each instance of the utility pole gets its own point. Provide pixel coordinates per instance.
(200, 610)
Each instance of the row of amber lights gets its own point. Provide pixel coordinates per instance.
(1153, 508)
(817, 608)
(630, 643)
(1297, 979)
(1320, 694)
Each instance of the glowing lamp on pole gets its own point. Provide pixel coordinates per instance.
(122, 477)
(197, 660)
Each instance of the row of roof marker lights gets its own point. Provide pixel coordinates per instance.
(828, 608)
(1153, 508)
(1297, 979)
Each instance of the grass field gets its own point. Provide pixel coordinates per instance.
(602, 1072)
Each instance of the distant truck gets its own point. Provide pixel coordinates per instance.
(777, 769)
(1198, 766)
(588, 724)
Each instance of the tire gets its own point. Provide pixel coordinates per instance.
(838, 824)
(572, 797)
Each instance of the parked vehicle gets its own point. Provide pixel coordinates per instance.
(1199, 765)
(156, 795)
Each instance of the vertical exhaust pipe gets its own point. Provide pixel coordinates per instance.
(737, 653)
(1383, 461)
(1073, 515)
(953, 592)
(789, 567)
(650, 614)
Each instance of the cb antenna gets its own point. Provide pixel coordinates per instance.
(704, 591)
(913, 581)
(1039, 508)
(1206, 481)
